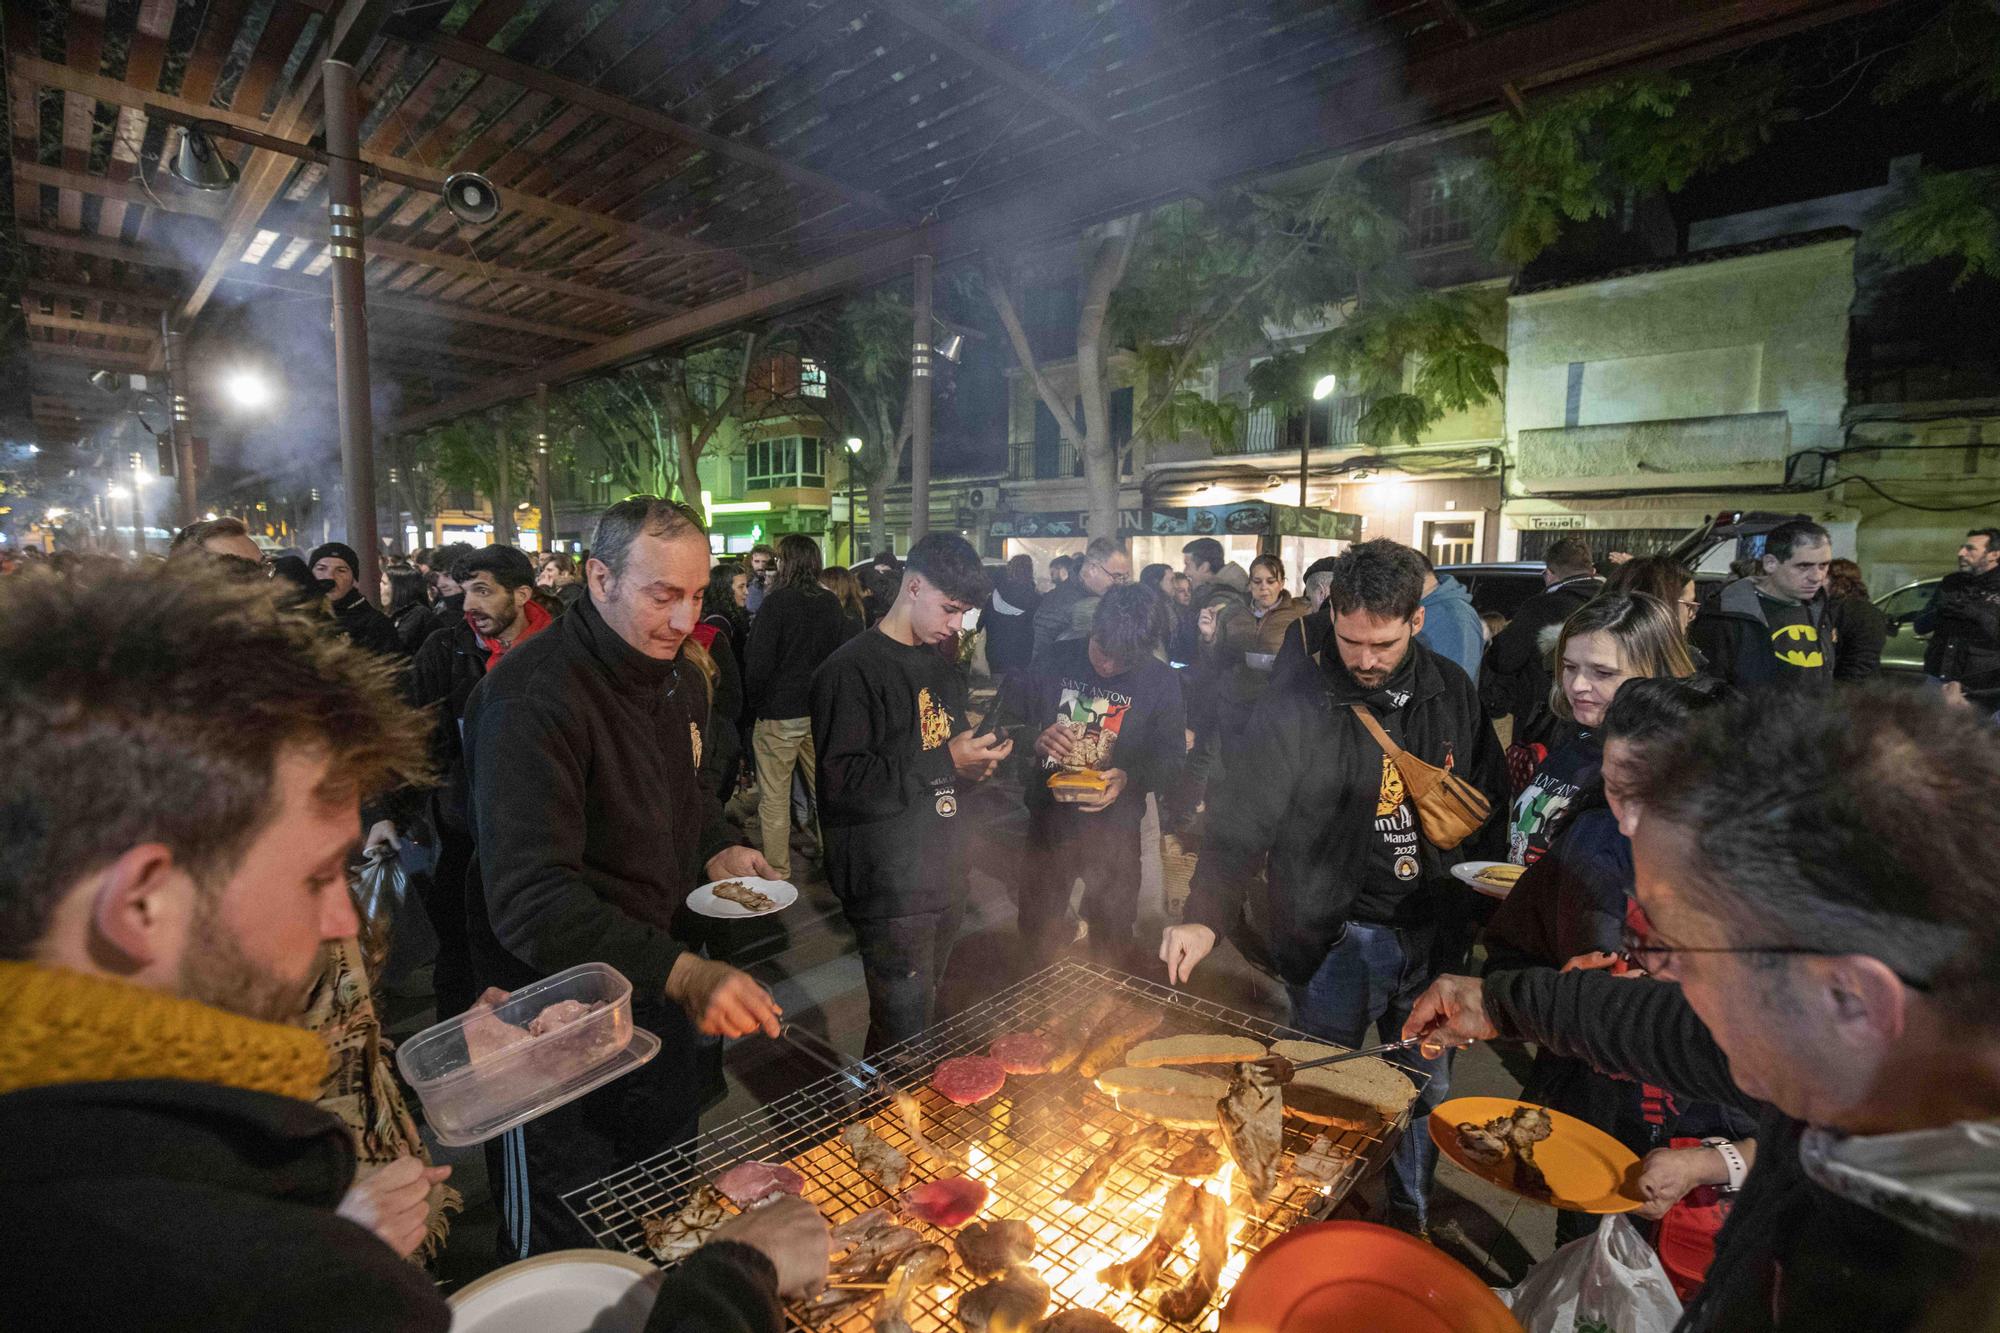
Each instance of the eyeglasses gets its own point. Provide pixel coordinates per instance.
(1656, 957)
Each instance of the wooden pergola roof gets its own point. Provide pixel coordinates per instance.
(671, 167)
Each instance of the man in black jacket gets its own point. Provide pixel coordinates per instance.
(1963, 618)
(1775, 627)
(495, 584)
(798, 628)
(1514, 679)
(336, 563)
(1349, 912)
(1064, 611)
(1105, 704)
(893, 741)
(447, 601)
(582, 750)
(1823, 921)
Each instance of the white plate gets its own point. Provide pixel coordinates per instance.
(704, 901)
(1469, 871)
(565, 1291)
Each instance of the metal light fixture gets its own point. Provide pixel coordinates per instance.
(199, 164)
(105, 380)
(1323, 387)
(951, 347)
(470, 197)
(854, 444)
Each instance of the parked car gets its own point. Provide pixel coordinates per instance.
(1498, 587)
(1905, 649)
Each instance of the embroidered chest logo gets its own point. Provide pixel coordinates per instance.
(694, 742)
(1390, 794)
(933, 722)
(1797, 645)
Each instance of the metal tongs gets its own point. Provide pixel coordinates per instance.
(824, 1052)
(1281, 1069)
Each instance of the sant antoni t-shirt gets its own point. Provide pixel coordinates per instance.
(1543, 804)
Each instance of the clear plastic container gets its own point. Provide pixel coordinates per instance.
(517, 1076)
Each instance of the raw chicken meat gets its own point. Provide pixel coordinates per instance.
(486, 1033)
(753, 1182)
(947, 1202)
(561, 1014)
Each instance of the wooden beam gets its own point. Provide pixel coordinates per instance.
(46, 74)
(128, 252)
(488, 61)
(100, 327)
(108, 360)
(424, 308)
(1002, 69)
(78, 291)
(350, 32)
(377, 335)
(170, 196)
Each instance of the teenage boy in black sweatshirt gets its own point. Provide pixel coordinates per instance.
(1105, 703)
(890, 733)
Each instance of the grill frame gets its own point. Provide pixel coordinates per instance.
(1039, 1132)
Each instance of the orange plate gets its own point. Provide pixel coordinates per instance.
(1351, 1277)
(1588, 1171)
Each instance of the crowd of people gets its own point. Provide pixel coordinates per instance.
(1754, 936)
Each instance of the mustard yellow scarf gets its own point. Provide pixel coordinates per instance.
(58, 1026)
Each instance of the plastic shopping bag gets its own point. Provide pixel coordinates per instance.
(378, 889)
(1610, 1279)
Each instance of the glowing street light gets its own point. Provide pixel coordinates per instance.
(248, 389)
(1324, 386)
(854, 444)
(118, 492)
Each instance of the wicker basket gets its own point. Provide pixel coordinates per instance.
(1177, 858)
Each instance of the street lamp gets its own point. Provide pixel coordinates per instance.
(248, 389)
(853, 528)
(1323, 389)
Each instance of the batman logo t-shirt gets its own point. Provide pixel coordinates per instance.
(1796, 641)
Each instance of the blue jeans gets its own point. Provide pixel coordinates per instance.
(1374, 975)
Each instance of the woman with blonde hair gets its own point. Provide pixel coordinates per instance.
(1611, 639)
(846, 589)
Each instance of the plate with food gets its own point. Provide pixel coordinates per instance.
(1538, 1154)
(1495, 879)
(743, 896)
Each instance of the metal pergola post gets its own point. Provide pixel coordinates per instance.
(350, 320)
(920, 400)
(545, 491)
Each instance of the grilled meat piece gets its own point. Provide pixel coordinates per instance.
(1184, 1304)
(877, 1160)
(736, 891)
(1091, 1183)
(1252, 1113)
(911, 1109)
(673, 1238)
(1069, 1043)
(1124, 1029)
(912, 1273)
(1517, 1132)
(1079, 1321)
(1527, 1127)
(987, 1248)
(1321, 1162)
(1198, 1161)
(1138, 1272)
(1014, 1302)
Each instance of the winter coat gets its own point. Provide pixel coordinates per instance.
(1009, 623)
(1867, 1234)
(364, 625)
(797, 629)
(1240, 633)
(1860, 631)
(1308, 793)
(1515, 677)
(447, 667)
(1963, 621)
(1063, 612)
(1451, 625)
(1228, 591)
(1735, 633)
(413, 626)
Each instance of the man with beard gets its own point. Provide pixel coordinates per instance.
(1963, 619)
(189, 763)
(591, 828)
(335, 563)
(497, 585)
(1347, 915)
(1814, 883)
(893, 743)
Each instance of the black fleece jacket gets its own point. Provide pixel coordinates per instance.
(1135, 718)
(797, 628)
(1793, 1257)
(445, 671)
(883, 715)
(591, 823)
(1307, 795)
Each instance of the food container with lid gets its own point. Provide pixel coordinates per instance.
(469, 1099)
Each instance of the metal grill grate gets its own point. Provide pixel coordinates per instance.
(1028, 1144)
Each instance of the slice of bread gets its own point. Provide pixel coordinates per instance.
(1332, 1110)
(1371, 1082)
(1206, 1048)
(1176, 1111)
(1180, 1082)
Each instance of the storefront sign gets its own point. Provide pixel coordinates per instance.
(1548, 522)
(1247, 519)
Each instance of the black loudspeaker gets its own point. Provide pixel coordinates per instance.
(471, 197)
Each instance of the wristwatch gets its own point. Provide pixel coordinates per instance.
(1732, 1159)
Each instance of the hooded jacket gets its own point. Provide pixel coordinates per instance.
(1515, 677)
(1733, 632)
(1964, 624)
(1452, 626)
(1009, 623)
(1829, 1235)
(1307, 794)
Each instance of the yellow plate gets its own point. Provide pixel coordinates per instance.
(1588, 1171)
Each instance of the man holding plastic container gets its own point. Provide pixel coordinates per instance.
(583, 749)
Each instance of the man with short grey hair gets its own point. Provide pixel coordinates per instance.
(591, 828)
(1065, 610)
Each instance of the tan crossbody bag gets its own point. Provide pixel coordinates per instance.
(1449, 809)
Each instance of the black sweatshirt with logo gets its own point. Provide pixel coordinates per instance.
(883, 715)
(1134, 721)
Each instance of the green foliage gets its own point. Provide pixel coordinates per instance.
(1958, 53)
(1574, 158)
(1396, 416)
(1953, 216)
